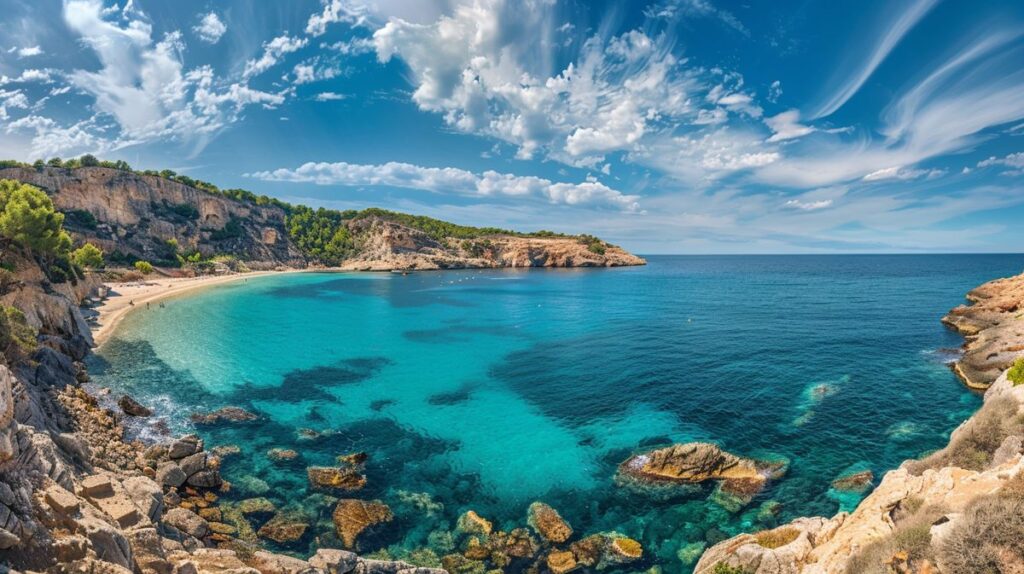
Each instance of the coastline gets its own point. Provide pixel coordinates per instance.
(118, 303)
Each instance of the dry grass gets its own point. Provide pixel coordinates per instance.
(974, 444)
(777, 537)
(989, 537)
(912, 535)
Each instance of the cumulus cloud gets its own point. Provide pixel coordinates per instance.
(28, 76)
(210, 28)
(334, 11)
(29, 51)
(11, 99)
(453, 180)
(1013, 161)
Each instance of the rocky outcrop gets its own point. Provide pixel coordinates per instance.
(386, 245)
(548, 523)
(947, 484)
(989, 327)
(136, 214)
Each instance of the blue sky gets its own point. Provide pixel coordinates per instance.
(668, 126)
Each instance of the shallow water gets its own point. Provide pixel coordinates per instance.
(488, 390)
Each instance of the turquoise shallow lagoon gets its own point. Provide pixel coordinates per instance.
(487, 390)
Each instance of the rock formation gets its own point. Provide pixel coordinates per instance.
(134, 215)
(932, 497)
(352, 517)
(548, 523)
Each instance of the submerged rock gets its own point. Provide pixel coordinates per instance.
(285, 527)
(606, 549)
(226, 414)
(560, 562)
(548, 523)
(132, 407)
(352, 517)
(282, 454)
(473, 523)
(335, 478)
(854, 482)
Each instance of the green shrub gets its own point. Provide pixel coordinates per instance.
(987, 537)
(231, 230)
(27, 217)
(1016, 372)
(144, 267)
(972, 446)
(723, 568)
(16, 335)
(81, 218)
(88, 256)
(777, 537)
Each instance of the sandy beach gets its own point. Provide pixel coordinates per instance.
(120, 299)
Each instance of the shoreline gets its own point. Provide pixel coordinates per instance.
(118, 302)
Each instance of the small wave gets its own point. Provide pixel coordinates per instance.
(944, 355)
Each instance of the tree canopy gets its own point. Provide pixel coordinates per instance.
(27, 216)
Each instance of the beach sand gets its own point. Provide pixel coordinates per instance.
(121, 296)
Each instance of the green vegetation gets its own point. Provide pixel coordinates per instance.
(28, 218)
(231, 230)
(777, 537)
(322, 233)
(594, 245)
(1016, 372)
(144, 267)
(973, 444)
(88, 256)
(81, 218)
(16, 335)
(723, 568)
(175, 210)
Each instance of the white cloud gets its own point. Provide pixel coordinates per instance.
(329, 97)
(29, 76)
(51, 139)
(10, 99)
(775, 91)
(352, 46)
(272, 53)
(314, 70)
(210, 28)
(453, 180)
(787, 126)
(808, 205)
(334, 11)
(854, 76)
(1014, 161)
(29, 51)
(901, 173)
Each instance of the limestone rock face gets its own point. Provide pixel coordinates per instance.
(149, 206)
(548, 523)
(352, 517)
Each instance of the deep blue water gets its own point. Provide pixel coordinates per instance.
(488, 390)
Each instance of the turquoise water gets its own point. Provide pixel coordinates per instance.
(487, 390)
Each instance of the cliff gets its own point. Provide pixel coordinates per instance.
(956, 511)
(132, 216)
(76, 497)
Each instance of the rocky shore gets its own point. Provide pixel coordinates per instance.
(956, 511)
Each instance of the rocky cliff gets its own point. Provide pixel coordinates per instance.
(956, 511)
(134, 215)
(75, 496)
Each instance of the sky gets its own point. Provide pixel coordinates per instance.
(665, 126)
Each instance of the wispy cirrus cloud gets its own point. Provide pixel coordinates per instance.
(856, 73)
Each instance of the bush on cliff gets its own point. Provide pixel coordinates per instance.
(27, 217)
(988, 536)
(17, 337)
(88, 256)
(144, 267)
(1016, 372)
(973, 444)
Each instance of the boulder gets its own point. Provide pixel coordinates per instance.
(97, 485)
(185, 446)
(61, 501)
(854, 482)
(605, 549)
(333, 561)
(335, 478)
(187, 521)
(258, 505)
(268, 563)
(285, 527)
(206, 479)
(560, 562)
(352, 517)
(548, 523)
(132, 407)
(224, 415)
(368, 566)
(193, 463)
(170, 474)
